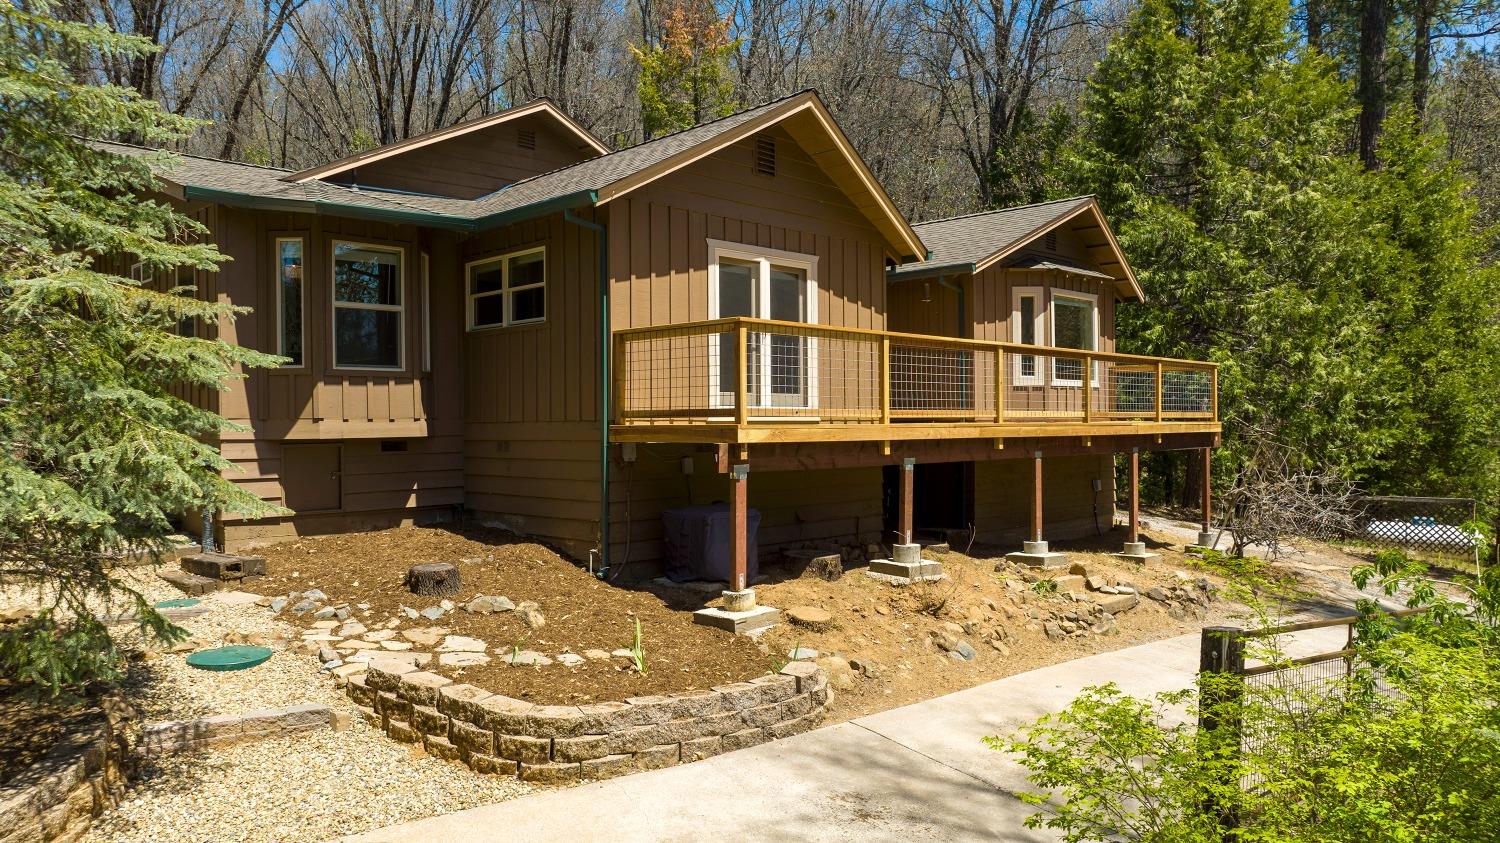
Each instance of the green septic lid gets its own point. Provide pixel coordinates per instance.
(237, 657)
(179, 603)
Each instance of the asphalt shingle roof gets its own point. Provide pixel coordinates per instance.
(972, 238)
(268, 184)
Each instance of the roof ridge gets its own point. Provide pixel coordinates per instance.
(195, 155)
(1004, 210)
(743, 111)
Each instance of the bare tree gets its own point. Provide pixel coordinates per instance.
(1277, 497)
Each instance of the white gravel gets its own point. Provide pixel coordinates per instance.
(308, 787)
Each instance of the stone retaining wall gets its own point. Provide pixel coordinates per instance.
(560, 744)
(83, 774)
(220, 730)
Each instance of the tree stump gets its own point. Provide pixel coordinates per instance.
(433, 579)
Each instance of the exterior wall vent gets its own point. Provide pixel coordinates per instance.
(392, 446)
(765, 156)
(526, 138)
(1050, 241)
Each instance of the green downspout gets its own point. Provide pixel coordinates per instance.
(602, 244)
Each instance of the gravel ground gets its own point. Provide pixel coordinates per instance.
(311, 787)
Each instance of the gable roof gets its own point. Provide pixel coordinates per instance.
(591, 182)
(974, 242)
(390, 150)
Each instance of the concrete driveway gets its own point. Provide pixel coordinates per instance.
(920, 772)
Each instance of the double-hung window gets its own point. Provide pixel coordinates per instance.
(289, 272)
(367, 306)
(1075, 324)
(508, 290)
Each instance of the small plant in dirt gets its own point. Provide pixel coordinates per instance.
(1044, 587)
(638, 650)
(1248, 578)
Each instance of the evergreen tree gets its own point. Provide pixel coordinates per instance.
(685, 80)
(1218, 143)
(98, 451)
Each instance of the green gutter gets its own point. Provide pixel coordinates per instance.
(899, 274)
(413, 217)
(601, 245)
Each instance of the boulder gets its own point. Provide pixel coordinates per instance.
(1114, 604)
(489, 604)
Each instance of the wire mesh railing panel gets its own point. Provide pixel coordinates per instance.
(1284, 701)
(1431, 524)
(653, 383)
(813, 372)
(1186, 391)
(941, 381)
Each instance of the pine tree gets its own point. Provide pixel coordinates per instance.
(98, 451)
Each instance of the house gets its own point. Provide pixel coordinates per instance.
(504, 319)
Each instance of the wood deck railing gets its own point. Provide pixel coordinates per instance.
(746, 371)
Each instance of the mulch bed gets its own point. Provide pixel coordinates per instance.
(581, 612)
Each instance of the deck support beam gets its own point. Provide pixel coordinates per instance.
(1034, 551)
(1135, 549)
(739, 612)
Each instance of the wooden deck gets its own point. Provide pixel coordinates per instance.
(744, 380)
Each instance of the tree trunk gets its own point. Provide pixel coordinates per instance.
(1371, 88)
(433, 579)
(1421, 71)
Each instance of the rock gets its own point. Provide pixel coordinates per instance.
(352, 629)
(570, 659)
(1156, 593)
(357, 644)
(316, 594)
(427, 636)
(802, 654)
(325, 624)
(340, 721)
(489, 605)
(840, 675)
(348, 669)
(1106, 626)
(999, 647)
(531, 616)
(963, 652)
(1177, 613)
(527, 657)
(1078, 570)
(462, 644)
(397, 646)
(882, 609)
(380, 635)
(1053, 630)
(1096, 583)
(864, 667)
(463, 659)
(327, 654)
(304, 606)
(1114, 604)
(446, 604)
(1108, 589)
(621, 653)
(410, 613)
(810, 616)
(432, 613)
(596, 655)
(278, 604)
(1069, 582)
(1125, 589)
(953, 628)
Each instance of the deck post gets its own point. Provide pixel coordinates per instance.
(742, 375)
(1034, 550)
(999, 385)
(738, 612)
(908, 486)
(1159, 401)
(1205, 535)
(906, 564)
(1135, 549)
(885, 379)
(1088, 389)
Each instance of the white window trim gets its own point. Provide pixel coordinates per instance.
(765, 258)
(1092, 301)
(399, 309)
(1039, 326)
(281, 305)
(506, 291)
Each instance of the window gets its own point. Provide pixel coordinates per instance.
(508, 290)
(1074, 325)
(367, 306)
(1026, 329)
(764, 284)
(289, 264)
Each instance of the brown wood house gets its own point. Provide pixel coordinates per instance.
(508, 321)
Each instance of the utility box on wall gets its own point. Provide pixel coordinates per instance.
(698, 540)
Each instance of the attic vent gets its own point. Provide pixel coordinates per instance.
(526, 138)
(765, 156)
(1050, 241)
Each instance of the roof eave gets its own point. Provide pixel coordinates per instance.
(318, 206)
(568, 201)
(907, 273)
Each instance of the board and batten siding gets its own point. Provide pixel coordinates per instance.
(1070, 506)
(353, 409)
